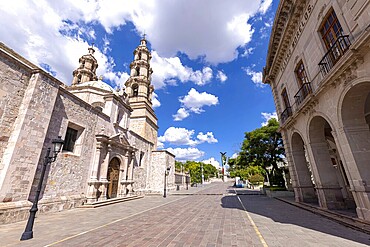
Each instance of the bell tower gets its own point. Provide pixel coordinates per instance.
(139, 89)
(87, 68)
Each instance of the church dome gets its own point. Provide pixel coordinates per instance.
(97, 84)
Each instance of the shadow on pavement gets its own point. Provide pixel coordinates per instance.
(287, 214)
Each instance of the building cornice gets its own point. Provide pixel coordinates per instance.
(290, 20)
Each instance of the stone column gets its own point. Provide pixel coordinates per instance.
(355, 148)
(103, 174)
(130, 172)
(291, 166)
(328, 189)
(123, 168)
(92, 183)
(304, 189)
(96, 165)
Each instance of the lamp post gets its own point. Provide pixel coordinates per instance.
(166, 172)
(222, 165)
(57, 146)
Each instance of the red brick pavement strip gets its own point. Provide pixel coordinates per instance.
(52, 227)
(213, 217)
(192, 221)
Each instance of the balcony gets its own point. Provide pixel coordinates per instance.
(285, 114)
(302, 93)
(336, 51)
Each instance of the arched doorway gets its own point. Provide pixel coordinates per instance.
(355, 111)
(304, 189)
(113, 178)
(330, 183)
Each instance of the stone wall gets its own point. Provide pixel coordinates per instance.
(13, 83)
(160, 161)
(141, 168)
(26, 139)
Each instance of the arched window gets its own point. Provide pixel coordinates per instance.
(139, 56)
(135, 90)
(79, 78)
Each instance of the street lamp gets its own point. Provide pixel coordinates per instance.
(57, 147)
(166, 172)
(222, 163)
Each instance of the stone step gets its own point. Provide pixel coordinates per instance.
(111, 201)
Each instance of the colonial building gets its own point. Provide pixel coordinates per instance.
(110, 136)
(318, 68)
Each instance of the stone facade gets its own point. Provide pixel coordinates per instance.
(103, 156)
(317, 67)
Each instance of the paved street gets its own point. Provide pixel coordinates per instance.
(213, 216)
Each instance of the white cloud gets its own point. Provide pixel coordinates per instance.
(265, 5)
(184, 154)
(160, 144)
(178, 136)
(207, 137)
(226, 19)
(166, 70)
(155, 101)
(235, 155)
(256, 77)
(54, 33)
(248, 52)
(221, 76)
(202, 78)
(267, 116)
(48, 35)
(119, 78)
(181, 114)
(182, 136)
(212, 161)
(194, 102)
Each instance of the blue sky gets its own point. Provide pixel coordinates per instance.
(207, 59)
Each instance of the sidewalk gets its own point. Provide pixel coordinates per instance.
(52, 227)
(343, 218)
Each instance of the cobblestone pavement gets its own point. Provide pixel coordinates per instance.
(213, 216)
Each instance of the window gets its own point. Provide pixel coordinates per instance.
(335, 42)
(70, 139)
(137, 71)
(287, 110)
(73, 139)
(139, 56)
(303, 83)
(141, 157)
(330, 29)
(301, 74)
(135, 90)
(284, 95)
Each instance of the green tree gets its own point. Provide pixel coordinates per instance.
(179, 166)
(195, 170)
(248, 172)
(264, 147)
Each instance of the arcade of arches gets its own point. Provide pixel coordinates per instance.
(331, 157)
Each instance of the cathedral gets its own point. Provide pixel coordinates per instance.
(110, 136)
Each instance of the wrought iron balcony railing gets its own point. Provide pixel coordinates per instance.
(302, 93)
(336, 51)
(285, 114)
